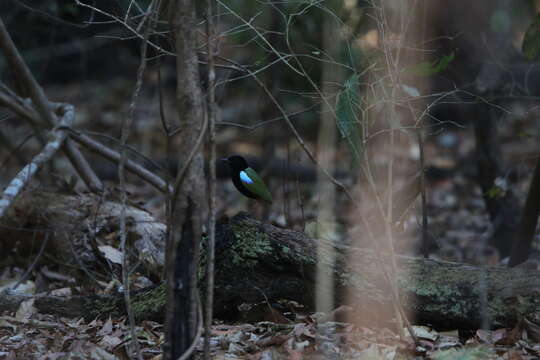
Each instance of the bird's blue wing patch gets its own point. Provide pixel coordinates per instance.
(245, 178)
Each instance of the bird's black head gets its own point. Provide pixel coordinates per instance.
(237, 163)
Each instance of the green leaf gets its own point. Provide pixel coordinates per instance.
(427, 68)
(347, 108)
(531, 40)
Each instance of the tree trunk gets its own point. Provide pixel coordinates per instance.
(188, 201)
(529, 219)
(501, 204)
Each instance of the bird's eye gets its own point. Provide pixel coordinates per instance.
(245, 178)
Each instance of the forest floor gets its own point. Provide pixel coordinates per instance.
(457, 220)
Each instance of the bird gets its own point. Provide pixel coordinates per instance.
(246, 180)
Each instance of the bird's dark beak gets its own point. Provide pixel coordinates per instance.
(224, 160)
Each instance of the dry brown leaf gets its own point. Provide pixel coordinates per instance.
(484, 336)
(109, 342)
(106, 329)
(4, 323)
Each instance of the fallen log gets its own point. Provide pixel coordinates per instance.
(257, 262)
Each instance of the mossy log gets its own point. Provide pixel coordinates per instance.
(258, 262)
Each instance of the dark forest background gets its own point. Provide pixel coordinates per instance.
(408, 124)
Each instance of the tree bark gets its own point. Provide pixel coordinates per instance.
(529, 219)
(502, 206)
(188, 203)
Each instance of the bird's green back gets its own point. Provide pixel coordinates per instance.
(258, 187)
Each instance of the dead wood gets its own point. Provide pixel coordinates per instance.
(260, 262)
(80, 223)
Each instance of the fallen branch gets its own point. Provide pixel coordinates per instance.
(24, 176)
(25, 109)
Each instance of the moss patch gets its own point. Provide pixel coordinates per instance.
(250, 245)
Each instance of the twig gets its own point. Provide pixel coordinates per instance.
(167, 126)
(295, 132)
(13, 149)
(130, 148)
(300, 140)
(326, 155)
(17, 105)
(211, 114)
(52, 18)
(165, 123)
(266, 122)
(28, 112)
(34, 263)
(114, 156)
(278, 54)
(302, 72)
(180, 175)
(392, 64)
(425, 240)
(126, 127)
(27, 173)
(125, 24)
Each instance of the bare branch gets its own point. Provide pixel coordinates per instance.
(18, 183)
(211, 114)
(127, 122)
(25, 109)
(52, 18)
(125, 24)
